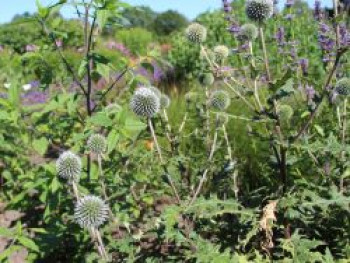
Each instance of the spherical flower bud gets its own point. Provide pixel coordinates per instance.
(90, 211)
(222, 119)
(68, 166)
(259, 10)
(285, 112)
(190, 97)
(221, 52)
(342, 87)
(145, 103)
(206, 79)
(164, 101)
(248, 32)
(97, 144)
(219, 100)
(196, 33)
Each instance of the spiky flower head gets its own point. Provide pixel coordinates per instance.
(164, 101)
(219, 100)
(97, 144)
(145, 103)
(90, 211)
(196, 33)
(248, 32)
(68, 166)
(285, 112)
(259, 10)
(206, 79)
(221, 52)
(342, 87)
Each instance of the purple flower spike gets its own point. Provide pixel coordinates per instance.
(304, 64)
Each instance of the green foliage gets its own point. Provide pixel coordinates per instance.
(136, 39)
(169, 22)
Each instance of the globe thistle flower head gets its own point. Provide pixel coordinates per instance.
(97, 144)
(68, 166)
(196, 33)
(145, 103)
(248, 32)
(164, 101)
(285, 112)
(219, 100)
(206, 79)
(221, 52)
(342, 87)
(90, 211)
(259, 10)
(190, 97)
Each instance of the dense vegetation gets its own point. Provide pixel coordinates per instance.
(132, 136)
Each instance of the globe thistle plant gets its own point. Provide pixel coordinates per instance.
(69, 166)
(145, 102)
(164, 101)
(342, 87)
(97, 144)
(91, 211)
(248, 32)
(206, 79)
(259, 10)
(196, 33)
(221, 52)
(219, 100)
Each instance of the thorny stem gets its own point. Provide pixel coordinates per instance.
(335, 8)
(204, 176)
(266, 59)
(162, 160)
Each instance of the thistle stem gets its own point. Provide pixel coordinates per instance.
(263, 44)
(204, 176)
(162, 160)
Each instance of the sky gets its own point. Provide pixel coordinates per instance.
(190, 8)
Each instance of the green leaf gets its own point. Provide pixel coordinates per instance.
(112, 140)
(28, 243)
(103, 70)
(41, 145)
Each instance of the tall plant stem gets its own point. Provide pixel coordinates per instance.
(204, 176)
(343, 136)
(266, 59)
(229, 150)
(252, 53)
(150, 124)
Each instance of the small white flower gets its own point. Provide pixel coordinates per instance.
(26, 87)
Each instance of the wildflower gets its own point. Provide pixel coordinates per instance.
(97, 144)
(248, 32)
(206, 79)
(90, 211)
(145, 102)
(219, 100)
(68, 166)
(164, 101)
(342, 87)
(196, 33)
(221, 52)
(259, 10)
